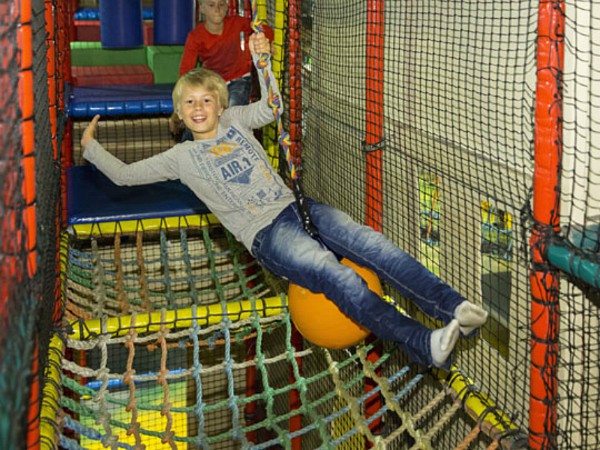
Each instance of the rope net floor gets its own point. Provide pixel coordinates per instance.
(177, 339)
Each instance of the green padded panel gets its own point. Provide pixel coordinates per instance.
(164, 61)
(92, 54)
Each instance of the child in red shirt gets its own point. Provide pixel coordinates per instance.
(220, 43)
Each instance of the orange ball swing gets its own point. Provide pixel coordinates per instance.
(320, 321)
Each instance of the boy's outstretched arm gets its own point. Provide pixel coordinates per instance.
(160, 167)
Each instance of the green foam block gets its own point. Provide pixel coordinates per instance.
(164, 62)
(92, 54)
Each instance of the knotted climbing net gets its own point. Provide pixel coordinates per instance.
(179, 339)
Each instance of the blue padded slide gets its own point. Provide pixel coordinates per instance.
(145, 99)
(93, 198)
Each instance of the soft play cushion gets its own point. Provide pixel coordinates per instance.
(93, 198)
(87, 30)
(92, 54)
(111, 75)
(86, 101)
(93, 13)
(164, 62)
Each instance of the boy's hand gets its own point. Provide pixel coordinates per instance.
(259, 44)
(89, 134)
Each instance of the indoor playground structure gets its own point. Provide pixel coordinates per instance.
(466, 132)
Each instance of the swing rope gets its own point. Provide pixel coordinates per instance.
(264, 64)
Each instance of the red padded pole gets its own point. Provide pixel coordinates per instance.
(546, 201)
(374, 150)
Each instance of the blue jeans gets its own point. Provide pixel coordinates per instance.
(239, 91)
(286, 249)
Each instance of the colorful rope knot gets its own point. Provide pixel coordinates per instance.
(285, 140)
(274, 101)
(263, 61)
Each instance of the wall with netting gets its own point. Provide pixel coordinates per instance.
(458, 149)
(31, 122)
(465, 131)
(457, 127)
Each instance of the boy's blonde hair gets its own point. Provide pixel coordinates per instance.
(204, 78)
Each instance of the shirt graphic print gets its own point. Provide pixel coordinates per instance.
(237, 172)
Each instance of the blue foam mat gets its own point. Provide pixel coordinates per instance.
(91, 13)
(146, 99)
(93, 198)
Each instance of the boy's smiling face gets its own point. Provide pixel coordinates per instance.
(200, 111)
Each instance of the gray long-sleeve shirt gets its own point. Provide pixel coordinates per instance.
(231, 173)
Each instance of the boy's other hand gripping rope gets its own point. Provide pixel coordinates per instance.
(264, 64)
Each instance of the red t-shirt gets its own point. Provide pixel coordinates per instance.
(222, 53)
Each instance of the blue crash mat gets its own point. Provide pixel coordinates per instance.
(93, 198)
(145, 99)
(91, 13)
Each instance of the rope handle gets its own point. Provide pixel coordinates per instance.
(264, 66)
